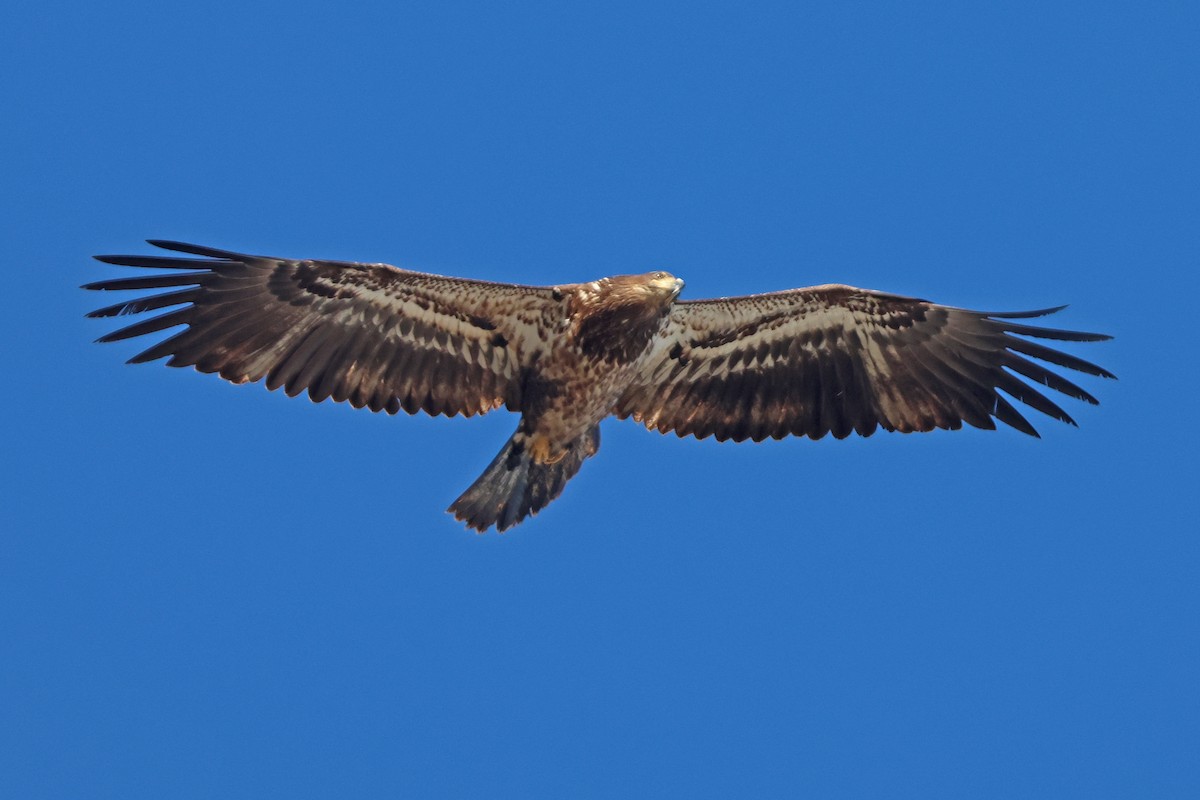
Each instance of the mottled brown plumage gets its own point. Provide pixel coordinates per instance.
(805, 362)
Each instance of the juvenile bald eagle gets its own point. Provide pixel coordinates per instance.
(804, 362)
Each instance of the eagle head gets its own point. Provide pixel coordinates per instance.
(663, 283)
(615, 317)
(649, 289)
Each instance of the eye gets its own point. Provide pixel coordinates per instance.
(658, 276)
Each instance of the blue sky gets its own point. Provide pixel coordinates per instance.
(208, 590)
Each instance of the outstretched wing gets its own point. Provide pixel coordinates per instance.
(836, 359)
(372, 334)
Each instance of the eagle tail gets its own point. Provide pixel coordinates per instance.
(514, 486)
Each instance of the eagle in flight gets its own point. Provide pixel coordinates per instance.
(803, 362)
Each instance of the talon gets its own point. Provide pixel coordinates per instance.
(541, 451)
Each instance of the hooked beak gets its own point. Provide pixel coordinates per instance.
(667, 284)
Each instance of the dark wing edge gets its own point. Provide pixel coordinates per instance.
(836, 359)
(374, 335)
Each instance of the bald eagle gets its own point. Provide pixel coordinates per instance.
(821, 360)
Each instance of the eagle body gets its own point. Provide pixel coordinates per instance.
(802, 362)
(600, 337)
(605, 331)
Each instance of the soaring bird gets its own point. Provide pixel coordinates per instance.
(802, 362)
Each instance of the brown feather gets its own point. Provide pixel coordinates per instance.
(322, 327)
(845, 360)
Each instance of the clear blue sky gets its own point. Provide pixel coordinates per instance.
(215, 591)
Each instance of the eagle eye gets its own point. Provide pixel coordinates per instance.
(658, 276)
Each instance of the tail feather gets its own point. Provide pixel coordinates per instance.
(514, 487)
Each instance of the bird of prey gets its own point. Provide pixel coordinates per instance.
(802, 362)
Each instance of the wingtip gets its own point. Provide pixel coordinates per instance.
(197, 249)
(1037, 312)
(167, 244)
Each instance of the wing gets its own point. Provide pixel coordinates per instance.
(840, 359)
(372, 334)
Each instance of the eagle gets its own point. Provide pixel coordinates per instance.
(830, 359)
